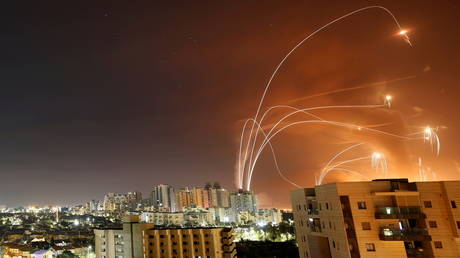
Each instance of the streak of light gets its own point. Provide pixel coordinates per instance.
(304, 40)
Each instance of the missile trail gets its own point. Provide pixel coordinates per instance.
(303, 41)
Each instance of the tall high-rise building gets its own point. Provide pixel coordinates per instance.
(163, 198)
(134, 198)
(380, 218)
(115, 202)
(183, 198)
(201, 197)
(243, 201)
(220, 198)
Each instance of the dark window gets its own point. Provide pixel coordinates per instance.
(330, 225)
(370, 247)
(458, 224)
(427, 204)
(437, 244)
(195, 242)
(162, 236)
(453, 204)
(433, 224)
(196, 249)
(207, 249)
(319, 204)
(151, 236)
(173, 236)
(333, 244)
(327, 206)
(184, 243)
(362, 205)
(366, 225)
(206, 235)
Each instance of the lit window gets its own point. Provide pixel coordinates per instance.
(370, 247)
(362, 205)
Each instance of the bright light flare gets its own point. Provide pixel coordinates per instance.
(430, 136)
(379, 162)
(404, 34)
(387, 101)
(376, 155)
(428, 131)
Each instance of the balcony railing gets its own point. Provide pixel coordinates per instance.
(312, 211)
(403, 212)
(412, 234)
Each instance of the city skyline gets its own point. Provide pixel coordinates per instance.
(121, 97)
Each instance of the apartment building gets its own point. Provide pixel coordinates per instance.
(124, 242)
(189, 242)
(145, 240)
(380, 218)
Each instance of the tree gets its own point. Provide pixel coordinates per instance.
(67, 254)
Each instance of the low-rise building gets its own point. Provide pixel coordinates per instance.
(189, 242)
(144, 240)
(163, 218)
(265, 216)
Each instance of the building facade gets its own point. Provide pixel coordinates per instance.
(189, 242)
(380, 218)
(163, 218)
(125, 242)
(184, 198)
(243, 201)
(164, 198)
(144, 240)
(115, 202)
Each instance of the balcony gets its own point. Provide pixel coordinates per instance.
(412, 234)
(407, 212)
(312, 211)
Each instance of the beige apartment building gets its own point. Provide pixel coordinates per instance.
(381, 218)
(136, 240)
(189, 242)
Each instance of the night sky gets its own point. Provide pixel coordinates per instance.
(116, 96)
